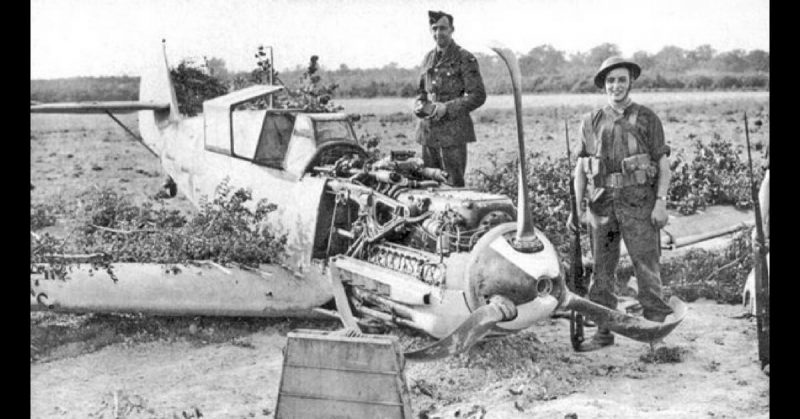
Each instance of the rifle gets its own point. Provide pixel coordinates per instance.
(575, 281)
(759, 265)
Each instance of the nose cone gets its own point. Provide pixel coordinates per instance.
(496, 268)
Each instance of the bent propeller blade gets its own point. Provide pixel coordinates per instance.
(482, 320)
(526, 240)
(635, 328)
(475, 328)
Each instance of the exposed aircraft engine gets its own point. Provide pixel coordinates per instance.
(400, 202)
(460, 217)
(421, 265)
(400, 216)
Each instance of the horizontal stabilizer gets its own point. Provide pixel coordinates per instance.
(99, 107)
(228, 101)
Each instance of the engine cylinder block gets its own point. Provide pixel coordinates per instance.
(408, 261)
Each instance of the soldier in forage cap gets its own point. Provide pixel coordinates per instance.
(623, 165)
(450, 87)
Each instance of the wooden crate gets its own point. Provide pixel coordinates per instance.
(332, 376)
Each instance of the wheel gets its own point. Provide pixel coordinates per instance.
(170, 187)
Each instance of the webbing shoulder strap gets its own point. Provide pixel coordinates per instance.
(631, 132)
(588, 134)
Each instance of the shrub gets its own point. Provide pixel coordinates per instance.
(225, 230)
(715, 176)
(194, 84)
(548, 191)
(42, 215)
(312, 96)
(715, 276)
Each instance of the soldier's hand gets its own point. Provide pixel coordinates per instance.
(659, 216)
(418, 108)
(439, 110)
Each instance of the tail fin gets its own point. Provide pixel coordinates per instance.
(156, 85)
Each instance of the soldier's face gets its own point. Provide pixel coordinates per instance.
(442, 32)
(618, 84)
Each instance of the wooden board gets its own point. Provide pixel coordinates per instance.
(326, 375)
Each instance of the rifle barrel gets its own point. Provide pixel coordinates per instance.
(753, 189)
(759, 264)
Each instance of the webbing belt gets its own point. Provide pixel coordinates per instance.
(619, 180)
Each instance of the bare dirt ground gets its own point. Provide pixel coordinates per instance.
(106, 366)
(710, 370)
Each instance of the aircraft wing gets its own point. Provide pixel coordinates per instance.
(712, 222)
(99, 107)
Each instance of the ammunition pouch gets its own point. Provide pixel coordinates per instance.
(638, 169)
(593, 168)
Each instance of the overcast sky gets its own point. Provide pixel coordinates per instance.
(109, 37)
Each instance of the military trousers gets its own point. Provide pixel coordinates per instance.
(642, 241)
(451, 159)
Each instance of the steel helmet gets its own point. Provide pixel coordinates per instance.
(612, 63)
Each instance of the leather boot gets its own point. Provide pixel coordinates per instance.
(602, 338)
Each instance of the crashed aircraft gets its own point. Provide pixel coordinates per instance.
(384, 241)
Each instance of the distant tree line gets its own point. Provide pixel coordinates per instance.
(544, 70)
(548, 70)
(77, 89)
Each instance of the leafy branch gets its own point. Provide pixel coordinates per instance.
(229, 228)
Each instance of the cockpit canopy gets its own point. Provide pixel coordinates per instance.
(312, 131)
(284, 139)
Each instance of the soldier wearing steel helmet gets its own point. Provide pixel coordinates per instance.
(624, 174)
(450, 87)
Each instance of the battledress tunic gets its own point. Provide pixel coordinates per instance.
(453, 78)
